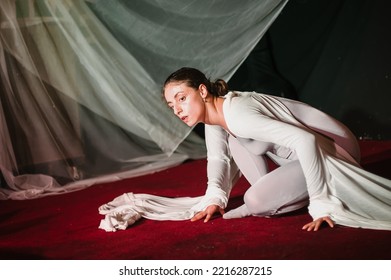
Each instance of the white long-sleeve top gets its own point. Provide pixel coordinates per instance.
(337, 186)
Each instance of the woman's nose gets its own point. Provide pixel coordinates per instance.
(177, 110)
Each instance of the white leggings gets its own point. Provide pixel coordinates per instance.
(271, 193)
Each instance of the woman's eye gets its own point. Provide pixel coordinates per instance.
(183, 98)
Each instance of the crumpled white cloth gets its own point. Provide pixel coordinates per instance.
(126, 209)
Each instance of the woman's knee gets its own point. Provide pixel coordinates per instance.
(256, 205)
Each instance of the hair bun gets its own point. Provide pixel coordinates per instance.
(220, 87)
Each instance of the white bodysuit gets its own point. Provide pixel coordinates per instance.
(318, 159)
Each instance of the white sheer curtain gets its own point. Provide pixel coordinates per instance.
(80, 84)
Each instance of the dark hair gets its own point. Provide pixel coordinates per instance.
(194, 78)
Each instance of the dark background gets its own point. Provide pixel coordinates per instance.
(332, 54)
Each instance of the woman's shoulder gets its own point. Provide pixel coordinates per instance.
(237, 98)
(242, 110)
(240, 101)
(238, 104)
(239, 94)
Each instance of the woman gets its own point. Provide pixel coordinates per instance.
(318, 157)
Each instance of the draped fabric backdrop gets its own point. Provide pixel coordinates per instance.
(81, 84)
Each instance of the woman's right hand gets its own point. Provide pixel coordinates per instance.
(207, 213)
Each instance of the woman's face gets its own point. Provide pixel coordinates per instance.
(186, 102)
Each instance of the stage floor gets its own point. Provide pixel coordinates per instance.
(66, 226)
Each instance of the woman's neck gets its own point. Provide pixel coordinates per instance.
(215, 113)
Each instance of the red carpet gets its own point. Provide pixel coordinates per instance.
(66, 226)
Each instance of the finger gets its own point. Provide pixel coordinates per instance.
(314, 226)
(306, 226)
(222, 212)
(198, 216)
(208, 216)
(330, 222)
(311, 227)
(317, 225)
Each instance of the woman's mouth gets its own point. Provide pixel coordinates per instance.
(184, 119)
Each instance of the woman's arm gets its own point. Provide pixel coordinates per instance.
(222, 172)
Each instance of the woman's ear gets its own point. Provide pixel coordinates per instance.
(203, 91)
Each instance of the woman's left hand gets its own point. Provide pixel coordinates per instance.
(315, 225)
